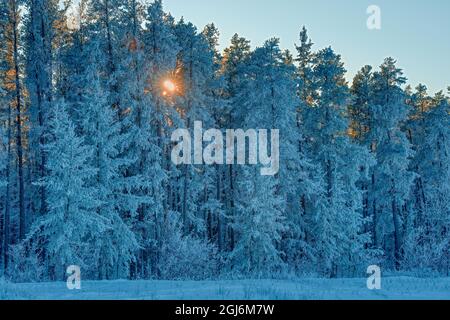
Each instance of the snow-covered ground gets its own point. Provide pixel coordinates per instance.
(303, 289)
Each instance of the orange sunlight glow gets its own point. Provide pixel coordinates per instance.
(169, 85)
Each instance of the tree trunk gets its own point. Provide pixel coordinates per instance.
(22, 217)
(6, 223)
(397, 235)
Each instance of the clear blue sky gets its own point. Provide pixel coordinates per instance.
(415, 32)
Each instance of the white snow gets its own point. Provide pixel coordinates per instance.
(401, 288)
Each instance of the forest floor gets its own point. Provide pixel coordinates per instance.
(301, 289)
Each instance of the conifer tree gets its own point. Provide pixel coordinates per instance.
(233, 62)
(428, 245)
(339, 234)
(64, 236)
(13, 84)
(39, 45)
(195, 70)
(391, 178)
(116, 247)
(259, 224)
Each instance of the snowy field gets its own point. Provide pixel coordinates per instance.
(304, 289)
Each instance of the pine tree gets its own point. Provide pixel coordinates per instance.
(300, 250)
(194, 71)
(161, 50)
(218, 106)
(104, 26)
(212, 34)
(234, 59)
(359, 110)
(116, 246)
(148, 55)
(65, 234)
(259, 224)
(391, 178)
(39, 43)
(414, 126)
(268, 101)
(12, 82)
(338, 239)
(103, 18)
(429, 246)
(233, 62)
(305, 60)
(6, 124)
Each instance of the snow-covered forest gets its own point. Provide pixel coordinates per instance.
(90, 93)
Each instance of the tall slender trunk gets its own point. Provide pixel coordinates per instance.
(109, 39)
(374, 215)
(219, 200)
(231, 195)
(6, 222)
(22, 216)
(115, 103)
(190, 121)
(42, 164)
(47, 94)
(397, 235)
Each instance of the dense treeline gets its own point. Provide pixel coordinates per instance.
(90, 95)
